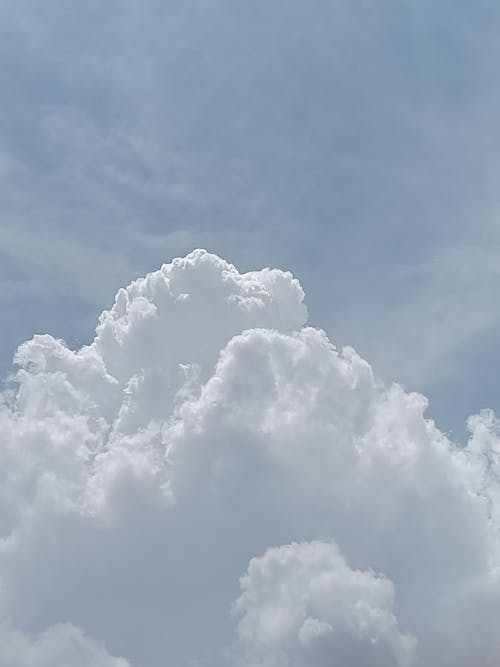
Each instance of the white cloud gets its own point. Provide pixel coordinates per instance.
(301, 604)
(206, 424)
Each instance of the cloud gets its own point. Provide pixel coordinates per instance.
(302, 604)
(206, 427)
(62, 645)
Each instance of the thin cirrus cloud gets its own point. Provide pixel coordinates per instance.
(211, 481)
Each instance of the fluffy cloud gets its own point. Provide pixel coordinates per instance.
(302, 605)
(205, 425)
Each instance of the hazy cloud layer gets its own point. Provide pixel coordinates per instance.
(62, 645)
(212, 480)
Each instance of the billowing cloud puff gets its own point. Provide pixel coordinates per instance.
(205, 426)
(302, 605)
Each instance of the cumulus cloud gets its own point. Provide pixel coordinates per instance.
(302, 605)
(205, 426)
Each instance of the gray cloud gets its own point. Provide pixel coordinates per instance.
(59, 646)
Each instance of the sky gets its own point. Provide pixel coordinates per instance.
(354, 144)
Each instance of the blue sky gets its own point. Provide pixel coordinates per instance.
(353, 143)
